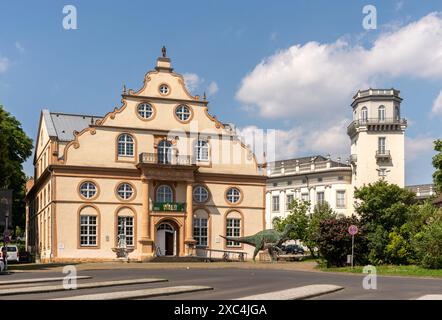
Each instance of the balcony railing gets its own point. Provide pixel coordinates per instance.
(376, 121)
(166, 159)
(383, 154)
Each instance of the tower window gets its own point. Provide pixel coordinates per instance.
(364, 114)
(381, 114)
(381, 145)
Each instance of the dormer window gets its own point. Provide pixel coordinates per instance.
(164, 89)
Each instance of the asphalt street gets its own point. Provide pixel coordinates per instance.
(236, 283)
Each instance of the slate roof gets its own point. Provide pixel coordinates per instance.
(63, 125)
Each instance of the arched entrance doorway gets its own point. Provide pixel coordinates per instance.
(166, 239)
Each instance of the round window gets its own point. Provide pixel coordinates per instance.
(183, 113)
(88, 189)
(125, 191)
(233, 195)
(164, 89)
(200, 194)
(145, 110)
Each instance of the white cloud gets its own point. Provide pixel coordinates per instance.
(4, 64)
(192, 81)
(212, 88)
(418, 147)
(297, 142)
(316, 81)
(19, 47)
(437, 105)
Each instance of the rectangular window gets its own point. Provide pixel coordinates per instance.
(88, 231)
(200, 231)
(275, 203)
(126, 227)
(320, 198)
(340, 199)
(381, 145)
(233, 230)
(304, 197)
(290, 198)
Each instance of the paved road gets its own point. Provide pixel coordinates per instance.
(236, 283)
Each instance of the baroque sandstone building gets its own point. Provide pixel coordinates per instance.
(160, 170)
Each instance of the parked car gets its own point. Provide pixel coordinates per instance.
(293, 249)
(12, 253)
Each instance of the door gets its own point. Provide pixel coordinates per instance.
(169, 243)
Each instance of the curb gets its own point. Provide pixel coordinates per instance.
(297, 293)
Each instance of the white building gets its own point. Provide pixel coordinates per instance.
(377, 152)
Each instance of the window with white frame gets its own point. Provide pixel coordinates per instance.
(88, 189)
(164, 152)
(320, 198)
(275, 203)
(200, 194)
(125, 145)
(381, 113)
(145, 110)
(126, 228)
(164, 194)
(183, 113)
(88, 231)
(202, 150)
(305, 197)
(164, 89)
(233, 195)
(364, 114)
(290, 198)
(200, 231)
(233, 229)
(340, 199)
(125, 191)
(381, 145)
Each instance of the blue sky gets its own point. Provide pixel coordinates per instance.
(225, 43)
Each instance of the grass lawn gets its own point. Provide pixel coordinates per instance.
(392, 270)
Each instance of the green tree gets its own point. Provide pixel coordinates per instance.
(15, 148)
(428, 244)
(437, 163)
(298, 217)
(320, 213)
(383, 208)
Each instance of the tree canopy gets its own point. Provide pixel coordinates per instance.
(15, 148)
(437, 163)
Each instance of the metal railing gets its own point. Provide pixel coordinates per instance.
(382, 153)
(166, 159)
(376, 121)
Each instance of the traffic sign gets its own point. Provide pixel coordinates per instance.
(353, 230)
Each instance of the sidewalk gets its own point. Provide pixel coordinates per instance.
(300, 266)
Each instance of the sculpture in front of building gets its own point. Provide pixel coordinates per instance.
(269, 239)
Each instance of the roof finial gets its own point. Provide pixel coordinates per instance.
(163, 50)
(204, 96)
(124, 88)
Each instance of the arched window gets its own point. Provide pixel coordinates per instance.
(381, 114)
(164, 152)
(126, 225)
(125, 145)
(233, 228)
(88, 233)
(200, 228)
(164, 194)
(364, 114)
(397, 113)
(202, 150)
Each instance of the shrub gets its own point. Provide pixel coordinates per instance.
(428, 245)
(334, 241)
